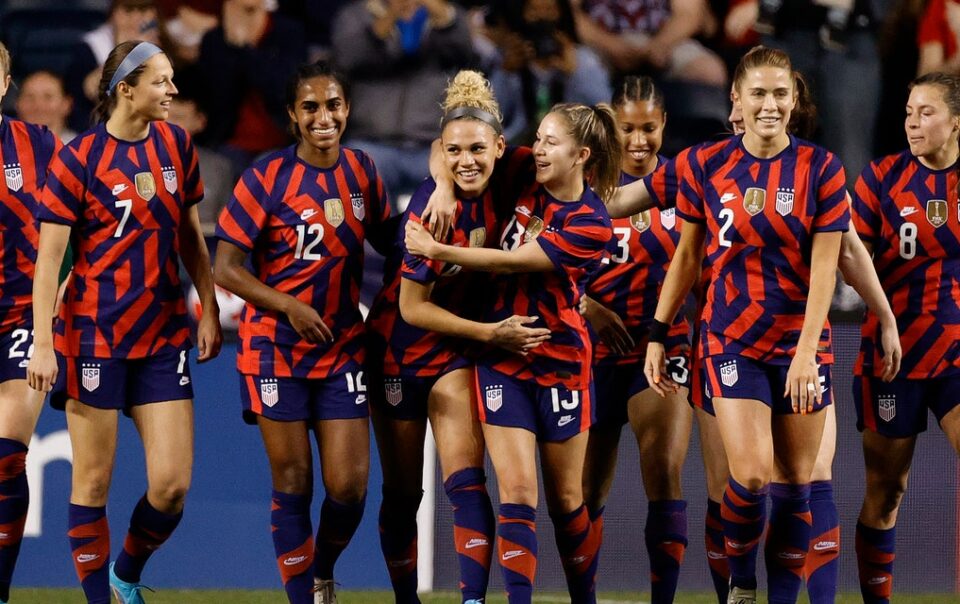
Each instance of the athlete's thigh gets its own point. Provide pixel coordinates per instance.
(166, 429)
(600, 462)
(714, 455)
(745, 431)
(950, 424)
(400, 448)
(287, 444)
(344, 446)
(513, 452)
(823, 467)
(662, 427)
(20, 407)
(452, 408)
(562, 464)
(796, 441)
(93, 443)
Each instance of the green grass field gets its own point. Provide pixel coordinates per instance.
(73, 596)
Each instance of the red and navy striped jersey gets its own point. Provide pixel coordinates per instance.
(576, 236)
(27, 150)
(760, 216)
(629, 283)
(664, 182)
(910, 215)
(125, 202)
(410, 351)
(305, 228)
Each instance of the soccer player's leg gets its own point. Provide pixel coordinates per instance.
(890, 416)
(565, 418)
(823, 558)
(398, 409)
(341, 412)
(717, 474)
(662, 428)
(742, 398)
(20, 408)
(460, 446)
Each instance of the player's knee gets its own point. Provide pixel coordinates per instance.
(292, 477)
(91, 488)
(519, 492)
(170, 494)
(347, 491)
(886, 492)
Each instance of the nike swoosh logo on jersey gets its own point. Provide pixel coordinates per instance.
(118, 189)
(308, 213)
(908, 210)
(727, 197)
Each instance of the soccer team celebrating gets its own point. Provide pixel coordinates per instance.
(535, 300)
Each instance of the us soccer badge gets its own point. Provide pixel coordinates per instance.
(146, 185)
(14, 176)
(937, 212)
(641, 221)
(333, 211)
(170, 179)
(753, 200)
(478, 237)
(784, 201)
(359, 209)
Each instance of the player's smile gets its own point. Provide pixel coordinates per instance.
(471, 149)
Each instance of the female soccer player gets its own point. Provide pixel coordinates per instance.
(303, 213)
(543, 400)
(27, 150)
(620, 308)
(768, 210)
(421, 323)
(904, 209)
(125, 193)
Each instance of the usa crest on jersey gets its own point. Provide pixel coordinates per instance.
(937, 212)
(170, 179)
(14, 176)
(90, 376)
(887, 406)
(728, 374)
(494, 398)
(784, 201)
(668, 218)
(269, 392)
(359, 209)
(754, 199)
(393, 391)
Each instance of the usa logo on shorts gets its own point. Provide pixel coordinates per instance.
(394, 392)
(269, 392)
(494, 397)
(888, 407)
(90, 376)
(728, 373)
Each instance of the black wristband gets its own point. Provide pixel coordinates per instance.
(658, 332)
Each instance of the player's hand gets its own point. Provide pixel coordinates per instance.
(892, 351)
(655, 368)
(209, 335)
(803, 383)
(419, 241)
(308, 323)
(511, 334)
(440, 211)
(42, 369)
(608, 325)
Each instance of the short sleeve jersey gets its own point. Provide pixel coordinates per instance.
(125, 202)
(760, 217)
(576, 236)
(305, 228)
(910, 215)
(411, 351)
(26, 150)
(629, 282)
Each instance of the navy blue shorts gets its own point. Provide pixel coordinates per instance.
(122, 383)
(735, 376)
(899, 409)
(288, 399)
(554, 414)
(615, 385)
(16, 348)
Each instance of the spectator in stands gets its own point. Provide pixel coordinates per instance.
(185, 22)
(652, 35)
(216, 171)
(44, 100)
(400, 54)
(244, 64)
(127, 20)
(834, 44)
(537, 46)
(938, 37)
